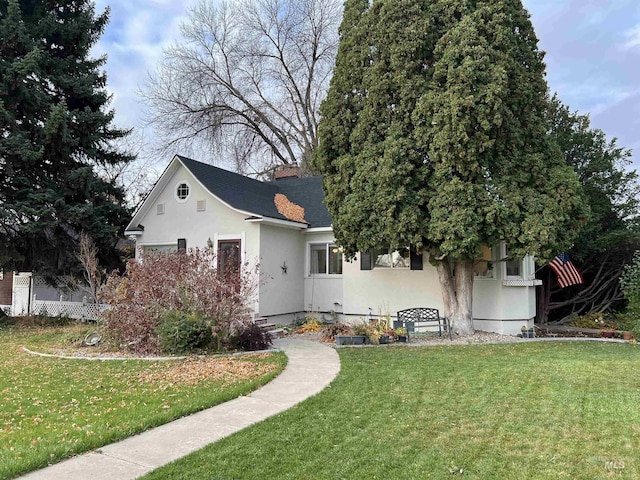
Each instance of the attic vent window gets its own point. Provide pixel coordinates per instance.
(182, 191)
(201, 206)
(160, 209)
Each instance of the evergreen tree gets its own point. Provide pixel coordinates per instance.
(610, 237)
(434, 134)
(54, 129)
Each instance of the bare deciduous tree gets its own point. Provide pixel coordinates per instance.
(93, 274)
(247, 80)
(136, 178)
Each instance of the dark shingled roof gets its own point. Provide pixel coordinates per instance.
(256, 197)
(308, 193)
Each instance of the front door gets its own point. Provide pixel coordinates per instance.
(229, 258)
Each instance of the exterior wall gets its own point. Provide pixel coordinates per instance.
(389, 290)
(496, 307)
(502, 304)
(322, 293)
(281, 293)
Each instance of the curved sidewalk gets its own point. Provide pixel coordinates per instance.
(311, 367)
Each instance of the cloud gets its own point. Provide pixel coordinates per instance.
(633, 37)
(134, 42)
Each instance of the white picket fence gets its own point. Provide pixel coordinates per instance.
(88, 312)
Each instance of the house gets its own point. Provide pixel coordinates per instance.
(285, 226)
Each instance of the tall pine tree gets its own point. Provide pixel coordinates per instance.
(54, 129)
(434, 134)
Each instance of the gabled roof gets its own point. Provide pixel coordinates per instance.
(240, 192)
(256, 198)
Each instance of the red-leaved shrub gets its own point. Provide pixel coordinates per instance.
(186, 282)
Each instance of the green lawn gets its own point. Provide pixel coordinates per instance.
(52, 408)
(511, 411)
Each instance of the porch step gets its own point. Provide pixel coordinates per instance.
(266, 326)
(269, 328)
(276, 333)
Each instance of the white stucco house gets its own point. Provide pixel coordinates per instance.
(285, 226)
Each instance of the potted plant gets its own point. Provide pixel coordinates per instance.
(527, 332)
(400, 334)
(359, 336)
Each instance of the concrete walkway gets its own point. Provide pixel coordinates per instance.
(311, 367)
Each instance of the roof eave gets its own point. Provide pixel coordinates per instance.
(278, 222)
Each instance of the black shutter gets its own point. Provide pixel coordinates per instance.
(416, 260)
(365, 260)
(182, 244)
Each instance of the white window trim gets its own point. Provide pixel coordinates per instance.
(503, 254)
(527, 272)
(175, 191)
(327, 244)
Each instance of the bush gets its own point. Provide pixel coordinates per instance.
(181, 332)
(329, 332)
(595, 320)
(183, 282)
(630, 284)
(251, 337)
(310, 326)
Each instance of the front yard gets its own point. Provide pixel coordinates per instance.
(510, 411)
(53, 408)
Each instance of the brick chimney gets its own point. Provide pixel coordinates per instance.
(288, 171)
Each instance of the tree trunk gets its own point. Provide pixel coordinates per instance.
(456, 281)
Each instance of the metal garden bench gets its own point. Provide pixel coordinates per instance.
(412, 318)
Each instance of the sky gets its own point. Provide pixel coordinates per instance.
(592, 55)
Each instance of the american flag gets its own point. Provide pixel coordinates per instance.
(567, 273)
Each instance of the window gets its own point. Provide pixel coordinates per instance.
(513, 267)
(392, 257)
(483, 268)
(201, 205)
(160, 209)
(149, 249)
(182, 191)
(403, 257)
(182, 245)
(325, 258)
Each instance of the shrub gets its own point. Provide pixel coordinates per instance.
(595, 320)
(311, 325)
(329, 332)
(184, 282)
(251, 337)
(182, 332)
(630, 284)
